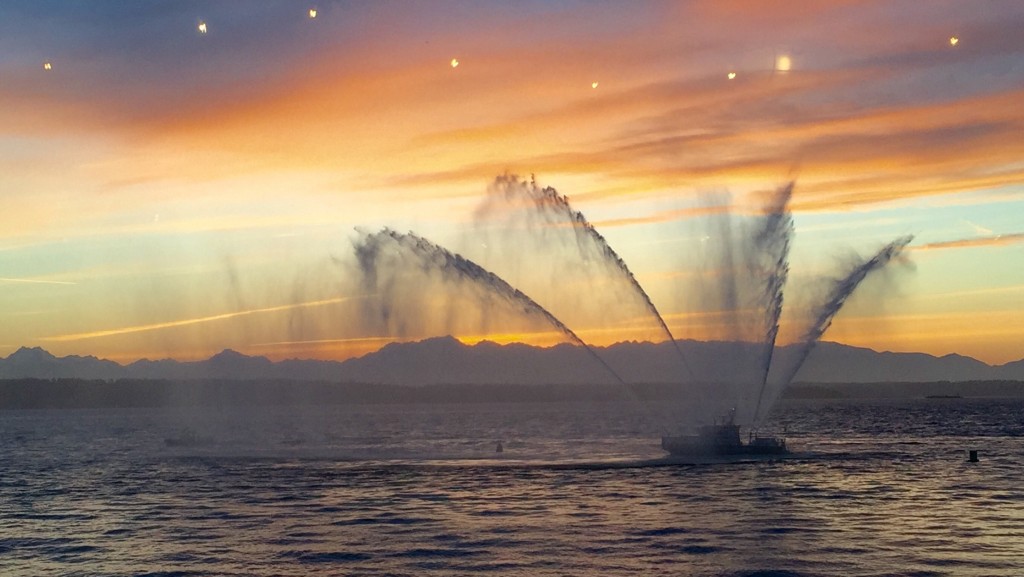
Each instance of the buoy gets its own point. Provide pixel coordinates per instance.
(499, 448)
(972, 456)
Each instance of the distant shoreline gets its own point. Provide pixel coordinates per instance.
(446, 360)
(127, 393)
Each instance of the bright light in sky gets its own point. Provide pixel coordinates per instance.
(47, 66)
(783, 63)
(593, 84)
(312, 12)
(455, 62)
(732, 75)
(202, 27)
(953, 41)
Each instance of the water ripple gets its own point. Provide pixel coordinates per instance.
(99, 493)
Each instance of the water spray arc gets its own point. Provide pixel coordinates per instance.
(841, 290)
(548, 201)
(838, 295)
(771, 248)
(432, 257)
(754, 255)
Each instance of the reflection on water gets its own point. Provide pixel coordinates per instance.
(878, 489)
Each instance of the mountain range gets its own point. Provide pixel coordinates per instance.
(446, 360)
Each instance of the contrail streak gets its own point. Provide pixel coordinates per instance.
(186, 322)
(37, 281)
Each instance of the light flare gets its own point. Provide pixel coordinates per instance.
(201, 27)
(455, 63)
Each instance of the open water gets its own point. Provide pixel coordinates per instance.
(876, 488)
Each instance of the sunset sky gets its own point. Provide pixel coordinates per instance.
(177, 178)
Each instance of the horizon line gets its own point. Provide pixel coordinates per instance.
(472, 344)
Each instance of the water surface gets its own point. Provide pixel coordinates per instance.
(877, 488)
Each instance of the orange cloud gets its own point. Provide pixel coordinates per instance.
(385, 117)
(664, 216)
(844, 157)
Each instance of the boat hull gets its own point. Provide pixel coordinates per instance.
(689, 446)
(722, 439)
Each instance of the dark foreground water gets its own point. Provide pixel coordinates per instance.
(878, 488)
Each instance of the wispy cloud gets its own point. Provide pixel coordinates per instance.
(997, 240)
(859, 130)
(845, 157)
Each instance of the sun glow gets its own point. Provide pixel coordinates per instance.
(538, 338)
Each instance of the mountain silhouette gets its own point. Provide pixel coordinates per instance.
(446, 360)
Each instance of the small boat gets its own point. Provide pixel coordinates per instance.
(723, 439)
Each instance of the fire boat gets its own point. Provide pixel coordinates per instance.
(723, 439)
